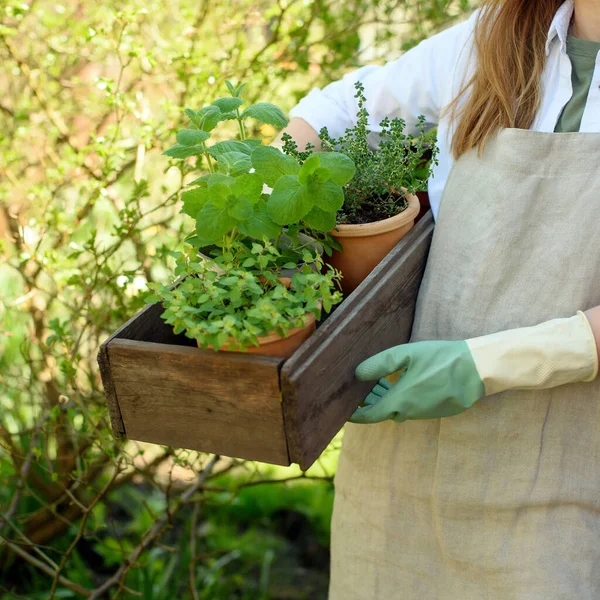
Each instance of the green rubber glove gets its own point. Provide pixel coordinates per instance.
(442, 379)
(438, 379)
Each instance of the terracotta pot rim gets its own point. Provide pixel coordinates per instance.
(271, 338)
(379, 227)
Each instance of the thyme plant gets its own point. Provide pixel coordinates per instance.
(402, 160)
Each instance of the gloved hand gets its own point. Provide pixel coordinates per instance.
(441, 379)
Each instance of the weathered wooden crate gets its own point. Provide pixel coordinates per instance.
(161, 388)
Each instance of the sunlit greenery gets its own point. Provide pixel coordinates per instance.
(91, 94)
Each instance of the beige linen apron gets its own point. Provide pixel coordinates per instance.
(501, 502)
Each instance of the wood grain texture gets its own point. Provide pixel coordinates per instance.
(319, 389)
(116, 420)
(227, 403)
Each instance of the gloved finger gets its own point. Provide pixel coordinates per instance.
(384, 363)
(366, 415)
(375, 396)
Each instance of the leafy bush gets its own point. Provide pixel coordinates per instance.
(89, 216)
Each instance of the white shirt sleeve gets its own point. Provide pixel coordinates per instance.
(420, 82)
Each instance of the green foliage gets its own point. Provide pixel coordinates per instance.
(89, 215)
(229, 200)
(401, 164)
(238, 296)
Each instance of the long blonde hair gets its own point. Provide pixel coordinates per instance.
(505, 91)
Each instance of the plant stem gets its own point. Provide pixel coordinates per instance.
(211, 168)
(241, 124)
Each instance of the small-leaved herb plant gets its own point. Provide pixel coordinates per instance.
(402, 160)
(231, 301)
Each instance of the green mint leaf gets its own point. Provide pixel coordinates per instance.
(209, 117)
(320, 220)
(271, 164)
(231, 146)
(248, 185)
(194, 201)
(218, 194)
(341, 167)
(310, 165)
(240, 209)
(201, 181)
(260, 226)
(214, 178)
(213, 222)
(226, 105)
(191, 137)
(179, 151)
(289, 201)
(234, 163)
(266, 113)
(327, 195)
(193, 117)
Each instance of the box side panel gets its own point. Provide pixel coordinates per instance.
(116, 420)
(319, 389)
(225, 403)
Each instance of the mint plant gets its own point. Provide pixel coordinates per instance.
(228, 202)
(239, 295)
(401, 161)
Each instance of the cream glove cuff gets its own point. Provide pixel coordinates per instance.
(554, 353)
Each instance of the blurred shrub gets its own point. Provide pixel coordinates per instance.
(90, 94)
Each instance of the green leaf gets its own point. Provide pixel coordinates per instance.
(191, 137)
(209, 117)
(341, 167)
(271, 164)
(289, 201)
(228, 104)
(214, 178)
(260, 225)
(266, 113)
(320, 220)
(240, 209)
(234, 163)
(194, 201)
(327, 195)
(201, 181)
(219, 148)
(218, 194)
(193, 117)
(213, 222)
(311, 164)
(248, 185)
(179, 151)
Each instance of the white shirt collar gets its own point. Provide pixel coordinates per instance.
(560, 25)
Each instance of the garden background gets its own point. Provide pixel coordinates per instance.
(90, 95)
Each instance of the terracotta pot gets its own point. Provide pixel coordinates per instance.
(366, 245)
(274, 345)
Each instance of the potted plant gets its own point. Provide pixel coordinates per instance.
(252, 279)
(380, 205)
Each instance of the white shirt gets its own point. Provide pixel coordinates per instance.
(428, 77)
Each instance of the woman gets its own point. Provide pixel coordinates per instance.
(477, 475)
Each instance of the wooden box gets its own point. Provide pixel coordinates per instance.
(161, 388)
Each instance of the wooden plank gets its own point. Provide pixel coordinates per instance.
(227, 403)
(319, 389)
(116, 420)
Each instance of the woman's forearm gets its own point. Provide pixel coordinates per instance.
(302, 133)
(593, 316)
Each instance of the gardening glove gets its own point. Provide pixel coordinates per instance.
(442, 379)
